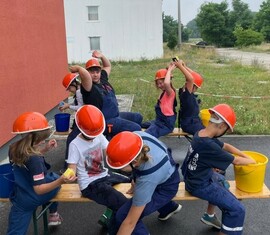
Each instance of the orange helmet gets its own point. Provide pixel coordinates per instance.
(92, 63)
(197, 79)
(226, 113)
(68, 79)
(90, 121)
(123, 148)
(30, 122)
(161, 74)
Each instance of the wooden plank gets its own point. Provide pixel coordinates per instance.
(265, 193)
(72, 193)
(176, 132)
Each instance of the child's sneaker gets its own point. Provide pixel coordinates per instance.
(177, 208)
(212, 221)
(54, 219)
(104, 220)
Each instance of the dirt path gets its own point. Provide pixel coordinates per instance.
(248, 58)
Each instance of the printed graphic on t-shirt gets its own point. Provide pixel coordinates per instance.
(192, 165)
(93, 162)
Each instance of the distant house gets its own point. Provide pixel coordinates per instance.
(121, 29)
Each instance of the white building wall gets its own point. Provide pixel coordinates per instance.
(128, 29)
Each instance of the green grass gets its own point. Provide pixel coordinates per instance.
(222, 79)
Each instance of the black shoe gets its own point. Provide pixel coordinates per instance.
(167, 216)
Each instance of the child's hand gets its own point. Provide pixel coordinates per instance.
(68, 179)
(64, 107)
(74, 68)
(179, 63)
(131, 190)
(97, 54)
(171, 66)
(51, 144)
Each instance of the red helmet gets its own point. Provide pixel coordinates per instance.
(123, 149)
(30, 122)
(68, 79)
(161, 74)
(197, 79)
(226, 113)
(92, 63)
(90, 121)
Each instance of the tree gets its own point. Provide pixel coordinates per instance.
(262, 20)
(172, 41)
(240, 15)
(213, 23)
(170, 30)
(170, 27)
(193, 29)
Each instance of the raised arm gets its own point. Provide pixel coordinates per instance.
(185, 70)
(167, 80)
(105, 62)
(86, 80)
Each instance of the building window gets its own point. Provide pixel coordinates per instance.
(94, 43)
(92, 13)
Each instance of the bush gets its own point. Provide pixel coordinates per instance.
(247, 37)
(172, 41)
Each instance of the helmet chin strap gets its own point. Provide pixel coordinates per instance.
(133, 172)
(86, 137)
(217, 136)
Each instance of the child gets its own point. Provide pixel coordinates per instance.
(156, 179)
(189, 119)
(34, 185)
(97, 90)
(71, 83)
(86, 158)
(165, 107)
(206, 153)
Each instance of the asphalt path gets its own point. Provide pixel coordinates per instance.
(246, 58)
(81, 218)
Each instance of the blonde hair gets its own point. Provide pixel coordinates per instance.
(143, 155)
(20, 151)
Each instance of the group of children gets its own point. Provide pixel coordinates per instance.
(104, 140)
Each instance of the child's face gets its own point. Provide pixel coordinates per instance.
(72, 89)
(95, 73)
(195, 88)
(160, 84)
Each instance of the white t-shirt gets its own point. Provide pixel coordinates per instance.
(79, 99)
(89, 158)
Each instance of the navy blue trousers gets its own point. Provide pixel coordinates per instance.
(161, 202)
(233, 212)
(126, 121)
(102, 191)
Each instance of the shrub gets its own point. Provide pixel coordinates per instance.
(247, 37)
(172, 41)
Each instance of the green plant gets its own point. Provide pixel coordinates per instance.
(247, 37)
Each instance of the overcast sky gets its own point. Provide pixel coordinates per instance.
(189, 8)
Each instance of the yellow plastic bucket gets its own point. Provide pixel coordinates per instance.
(205, 116)
(250, 178)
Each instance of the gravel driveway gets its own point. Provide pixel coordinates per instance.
(248, 58)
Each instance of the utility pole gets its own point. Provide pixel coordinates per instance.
(179, 24)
